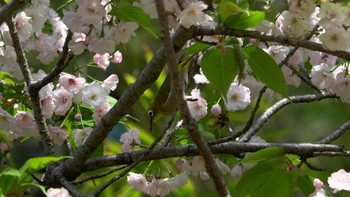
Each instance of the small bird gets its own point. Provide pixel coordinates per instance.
(164, 103)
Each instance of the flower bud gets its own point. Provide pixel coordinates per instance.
(216, 110)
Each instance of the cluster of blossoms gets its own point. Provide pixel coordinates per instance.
(58, 101)
(156, 187)
(338, 181)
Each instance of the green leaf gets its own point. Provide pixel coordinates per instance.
(135, 14)
(264, 154)
(305, 185)
(266, 69)
(227, 8)
(8, 178)
(265, 180)
(244, 20)
(111, 101)
(220, 67)
(30, 185)
(196, 48)
(7, 78)
(38, 163)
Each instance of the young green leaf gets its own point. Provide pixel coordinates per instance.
(227, 8)
(196, 48)
(265, 180)
(264, 154)
(266, 69)
(136, 14)
(244, 20)
(38, 163)
(220, 67)
(305, 185)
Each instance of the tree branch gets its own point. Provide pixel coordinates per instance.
(336, 134)
(33, 93)
(271, 111)
(284, 40)
(148, 76)
(189, 121)
(305, 150)
(8, 10)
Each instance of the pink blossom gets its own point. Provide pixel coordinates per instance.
(193, 14)
(110, 83)
(47, 106)
(197, 105)
(117, 57)
(7, 121)
(101, 45)
(91, 11)
(124, 31)
(62, 100)
(130, 140)
(137, 181)
(339, 180)
(100, 112)
(102, 60)
(71, 83)
(25, 124)
(80, 135)
(318, 184)
(78, 43)
(58, 134)
(57, 192)
(23, 26)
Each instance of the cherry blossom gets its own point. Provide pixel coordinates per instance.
(117, 57)
(80, 135)
(110, 83)
(94, 95)
(193, 14)
(90, 11)
(57, 192)
(58, 134)
(102, 60)
(71, 83)
(62, 101)
(197, 105)
(100, 111)
(124, 31)
(339, 180)
(130, 140)
(237, 97)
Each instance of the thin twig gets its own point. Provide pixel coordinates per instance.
(283, 40)
(278, 106)
(336, 134)
(72, 190)
(137, 161)
(271, 111)
(97, 176)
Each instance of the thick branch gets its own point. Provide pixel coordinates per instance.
(8, 10)
(304, 150)
(284, 40)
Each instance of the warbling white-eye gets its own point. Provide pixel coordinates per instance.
(164, 103)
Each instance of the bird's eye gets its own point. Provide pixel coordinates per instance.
(150, 113)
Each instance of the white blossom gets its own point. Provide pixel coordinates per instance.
(237, 97)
